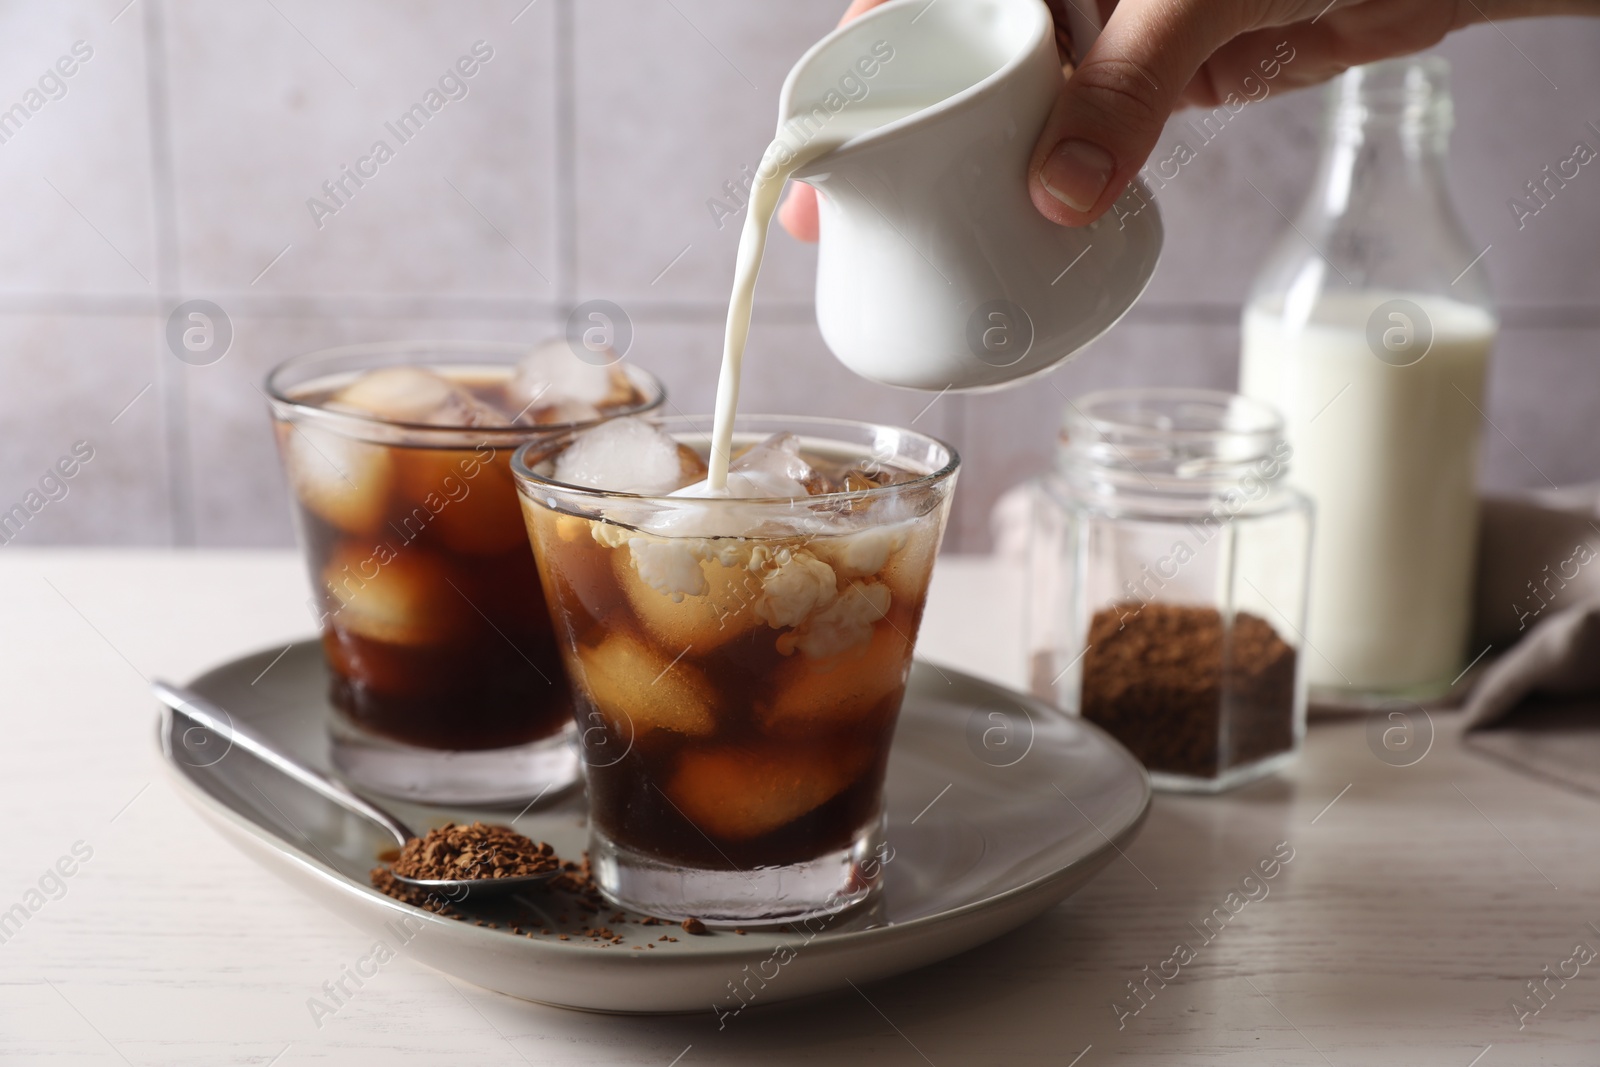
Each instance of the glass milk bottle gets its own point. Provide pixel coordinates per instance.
(1370, 328)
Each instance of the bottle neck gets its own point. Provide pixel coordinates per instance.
(1379, 214)
(1381, 148)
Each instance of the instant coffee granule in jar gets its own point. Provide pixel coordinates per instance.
(1186, 694)
(1168, 560)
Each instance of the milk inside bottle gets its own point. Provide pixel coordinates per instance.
(1388, 454)
(1370, 328)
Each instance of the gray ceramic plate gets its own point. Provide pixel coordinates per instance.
(998, 808)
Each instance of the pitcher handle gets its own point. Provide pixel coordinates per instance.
(1076, 28)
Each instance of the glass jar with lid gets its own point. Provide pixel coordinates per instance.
(1169, 561)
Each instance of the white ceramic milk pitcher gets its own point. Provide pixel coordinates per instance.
(935, 270)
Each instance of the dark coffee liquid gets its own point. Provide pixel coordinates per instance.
(433, 619)
(632, 800)
(488, 675)
(724, 746)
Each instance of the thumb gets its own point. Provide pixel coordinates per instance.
(1113, 107)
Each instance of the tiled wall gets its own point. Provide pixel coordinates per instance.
(179, 161)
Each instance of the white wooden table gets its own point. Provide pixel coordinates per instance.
(1418, 902)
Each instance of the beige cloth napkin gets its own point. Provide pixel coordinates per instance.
(1538, 707)
(1538, 553)
(1535, 704)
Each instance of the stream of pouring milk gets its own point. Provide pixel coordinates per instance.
(792, 149)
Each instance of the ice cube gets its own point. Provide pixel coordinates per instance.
(860, 479)
(739, 792)
(694, 467)
(339, 479)
(414, 395)
(795, 585)
(637, 688)
(910, 567)
(394, 670)
(561, 413)
(706, 591)
(399, 596)
(823, 694)
(862, 554)
(773, 468)
(626, 455)
(574, 571)
(845, 622)
(683, 593)
(669, 567)
(467, 499)
(553, 374)
(770, 470)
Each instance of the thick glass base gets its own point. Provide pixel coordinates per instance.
(827, 885)
(438, 776)
(1231, 778)
(1372, 699)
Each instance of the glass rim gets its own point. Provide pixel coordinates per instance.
(526, 476)
(655, 391)
(1129, 451)
(1271, 421)
(1404, 89)
(1398, 75)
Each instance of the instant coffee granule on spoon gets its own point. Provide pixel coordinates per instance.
(477, 851)
(482, 851)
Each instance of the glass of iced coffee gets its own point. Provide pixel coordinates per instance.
(445, 674)
(737, 660)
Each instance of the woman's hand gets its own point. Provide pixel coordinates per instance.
(1155, 56)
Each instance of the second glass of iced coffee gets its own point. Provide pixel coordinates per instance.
(445, 678)
(738, 661)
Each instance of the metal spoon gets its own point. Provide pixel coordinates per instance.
(199, 710)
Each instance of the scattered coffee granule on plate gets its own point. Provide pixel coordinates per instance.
(384, 881)
(475, 851)
(694, 926)
(1154, 678)
(570, 888)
